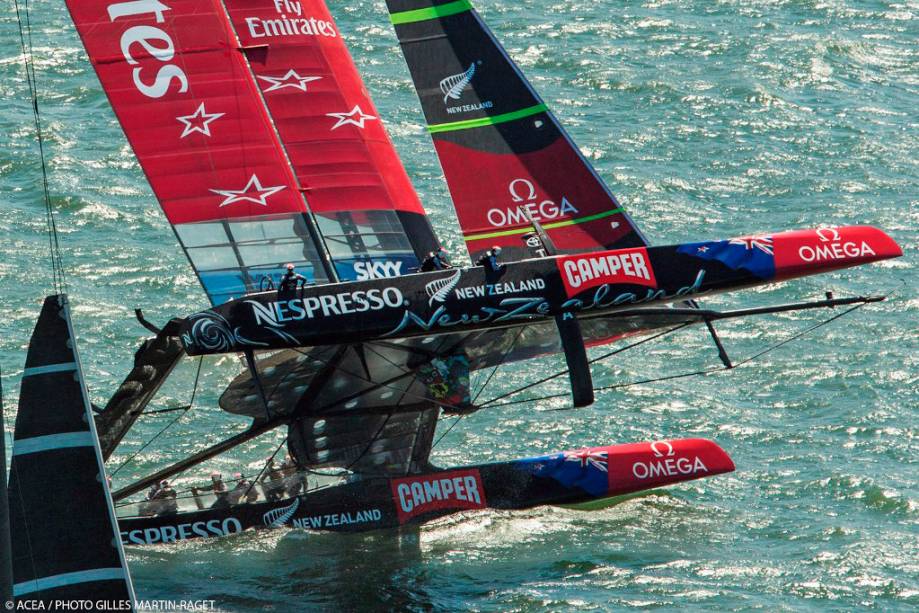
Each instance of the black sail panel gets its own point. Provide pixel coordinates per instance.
(505, 157)
(64, 533)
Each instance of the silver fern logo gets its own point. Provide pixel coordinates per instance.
(276, 518)
(454, 85)
(438, 290)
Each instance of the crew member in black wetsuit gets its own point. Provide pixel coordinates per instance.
(490, 259)
(436, 260)
(290, 281)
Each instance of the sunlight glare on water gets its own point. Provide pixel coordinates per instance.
(708, 120)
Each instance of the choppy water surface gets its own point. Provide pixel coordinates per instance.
(709, 119)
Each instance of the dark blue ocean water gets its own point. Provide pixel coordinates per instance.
(709, 119)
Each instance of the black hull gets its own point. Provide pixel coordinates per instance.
(375, 503)
(598, 285)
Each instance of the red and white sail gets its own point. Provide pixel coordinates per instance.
(255, 144)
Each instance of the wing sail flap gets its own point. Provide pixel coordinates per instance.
(339, 150)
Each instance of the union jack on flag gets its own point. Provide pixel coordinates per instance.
(586, 457)
(763, 243)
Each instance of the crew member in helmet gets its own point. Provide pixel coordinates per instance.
(273, 482)
(167, 499)
(151, 504)
(244, 489)
(490, 259)
(220, 491)
(436, 260)
(291, 280)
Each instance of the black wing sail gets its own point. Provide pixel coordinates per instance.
(505, 157)
(65, 538)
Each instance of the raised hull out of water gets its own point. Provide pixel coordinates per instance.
(587, 286)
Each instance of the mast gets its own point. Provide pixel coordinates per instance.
(6, 554)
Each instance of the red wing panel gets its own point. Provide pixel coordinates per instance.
(551, 184)
(332, 132)
(187, 104)
(503, 152)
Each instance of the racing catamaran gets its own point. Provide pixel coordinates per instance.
(263, 147)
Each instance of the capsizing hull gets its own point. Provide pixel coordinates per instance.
(568, 477)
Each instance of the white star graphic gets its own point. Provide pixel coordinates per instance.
(198, 121)
(349, 118)
(291, 79)
(238, 195)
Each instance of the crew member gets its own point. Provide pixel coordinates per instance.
(490, 259)
(291, 280)
(294, 481)
(166, 496)
(218, 487)
(151, 504)
(244, 488)
(436, 260)
(273, 482)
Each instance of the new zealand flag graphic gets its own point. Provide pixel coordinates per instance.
(586, 469)
(752, 253)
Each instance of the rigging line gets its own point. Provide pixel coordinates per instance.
(57, 266)
(447, 431)
(684, 375)
(167, 410)
(802, 333)
(597, 359)
(498, 365)
(705, 371)
(175, 420)
(264, 468)
(377, 385)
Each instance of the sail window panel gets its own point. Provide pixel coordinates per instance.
(339, 246)
(213, 257)
(261, 230)
(376, 221)
(201, 234)
(386, 243)
(260, 275)
(223, 285)
(277, 252)
(363, 233)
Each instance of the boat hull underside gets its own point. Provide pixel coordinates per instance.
(383, 377)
